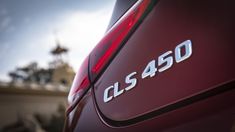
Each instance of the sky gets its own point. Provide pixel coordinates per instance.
(29, 28)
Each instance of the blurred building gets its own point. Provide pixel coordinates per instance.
(63, 73)
(36, 98)
(58, 76)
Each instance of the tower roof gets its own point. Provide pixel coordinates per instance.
(59, 50)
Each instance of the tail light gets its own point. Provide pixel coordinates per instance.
(80, 85)
(116, 37)
(106, 49)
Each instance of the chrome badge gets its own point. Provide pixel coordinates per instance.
(150, 70)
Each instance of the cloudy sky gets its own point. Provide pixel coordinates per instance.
(28, 29)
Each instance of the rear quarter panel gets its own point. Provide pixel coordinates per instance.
(210, 27)
(194, 95)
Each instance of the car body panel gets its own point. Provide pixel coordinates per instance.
(213, 114)
(208, 25)
(196, 94)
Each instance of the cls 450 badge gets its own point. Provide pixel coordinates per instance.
(182, 52)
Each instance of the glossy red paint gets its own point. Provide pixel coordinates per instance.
(215, 114)
(193, 95)
(207, 24)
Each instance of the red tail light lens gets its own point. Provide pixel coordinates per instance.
(80, 84)
(115, 37)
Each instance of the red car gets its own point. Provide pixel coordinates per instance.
(163, 65)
